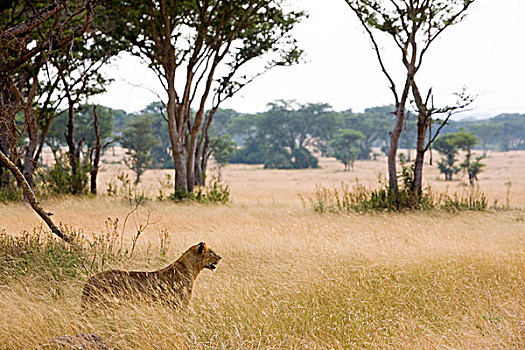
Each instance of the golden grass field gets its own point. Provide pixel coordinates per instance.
(294, 279)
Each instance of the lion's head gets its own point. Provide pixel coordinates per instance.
(206, 257)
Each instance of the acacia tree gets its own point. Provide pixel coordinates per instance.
(412, 25)
(198, 49)
(487, 133)
(28, 38)
(222, 149)
(138, 139)
(446, 145)
(80, 77)
(346, 146)
(30, 32)
(465, 141)
(374, 123)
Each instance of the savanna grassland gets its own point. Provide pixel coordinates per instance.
(290, 278)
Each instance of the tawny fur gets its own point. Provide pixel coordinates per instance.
(172, 285)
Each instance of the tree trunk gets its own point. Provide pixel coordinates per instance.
(30, 195)
(199, 175)
(177, 144)
(190, 166)
(70, 138)
(96, 159)
(206, 153)
(29, 166)
(43, 137)
(417, 185)
(4, 148)
(392, 152)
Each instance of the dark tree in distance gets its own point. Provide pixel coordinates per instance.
(137, 138)
(466, 141)
(346, 146)
(222, 149)
(487, 133)
(374, 123)
(447, 146)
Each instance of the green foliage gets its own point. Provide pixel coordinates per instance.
(464, 140)
(359, 198)
(222, 149)
(512, 128)
(48, 258)
(138, 139)
(214, 192)
(32, 253)
(474, 168)
(9, 191)
(84, 128)
(487, 133)
(471, 199)
(447, 146)
(346, 146)
(161, 151)
(222, 124)
(303, 159)
(37, 253)
(278, 161)
(286, 127)
(374, 124)
(59, 178)
(250, 153)
(279, 137)
(126, 189)
(503, 132)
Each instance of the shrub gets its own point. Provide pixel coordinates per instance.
(358, 198)
(10, 193)
(214, 192)
(126, 189)
(304, 159)
(40, 254)
(59, 178)
(278, 161)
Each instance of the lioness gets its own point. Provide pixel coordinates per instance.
(171, 285)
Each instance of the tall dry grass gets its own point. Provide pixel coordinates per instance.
(291, 278)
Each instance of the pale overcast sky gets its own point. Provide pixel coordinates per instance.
(485, 53)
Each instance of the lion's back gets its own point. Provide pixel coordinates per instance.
(113, 284)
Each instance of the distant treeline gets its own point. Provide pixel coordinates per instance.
(288, 134)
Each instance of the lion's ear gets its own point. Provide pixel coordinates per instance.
(202, 245)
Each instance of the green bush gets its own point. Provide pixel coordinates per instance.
(304, 159)
(214, 192)
(39, 253)
(34, 253)
(278, 161)
(358, 198)
(10, 193)
(59, 178)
